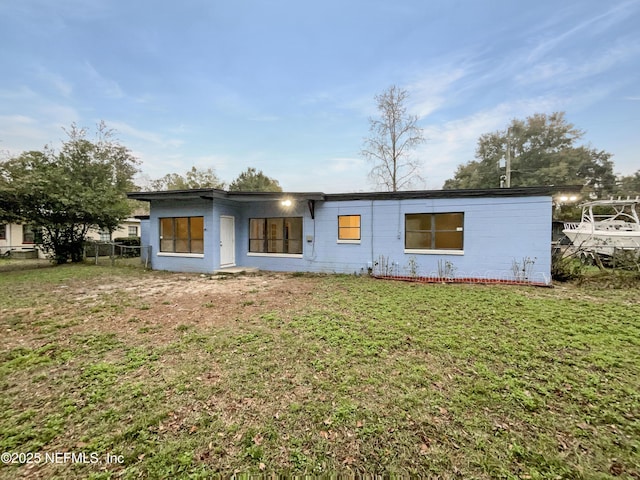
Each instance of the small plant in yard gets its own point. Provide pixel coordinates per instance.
(522, 269)
(566, 267)
(385, 267)
(412, 267)
(446, 269)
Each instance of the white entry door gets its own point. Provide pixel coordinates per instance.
(227, 241)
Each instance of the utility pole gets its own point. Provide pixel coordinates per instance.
(508, 170)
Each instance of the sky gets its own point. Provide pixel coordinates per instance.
(288, 86)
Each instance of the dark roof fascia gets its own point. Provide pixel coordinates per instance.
(541, 191)
(195, 193)
(274, 196)
(212, 193)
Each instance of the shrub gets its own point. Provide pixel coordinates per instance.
(626, 260)
(128, 246)
(128, 241)
(566, 268)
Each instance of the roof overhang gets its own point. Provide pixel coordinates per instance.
(273, 196)
(193, 194)
(252, 197)
(213, 194)
(539, 191)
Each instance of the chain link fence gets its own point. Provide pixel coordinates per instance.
(117, 254)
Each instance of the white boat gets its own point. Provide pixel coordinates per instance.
(613, 225)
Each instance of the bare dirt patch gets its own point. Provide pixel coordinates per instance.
(163, 303)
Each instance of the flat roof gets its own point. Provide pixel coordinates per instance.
(173, 194)
(213, 193)
(459, 193)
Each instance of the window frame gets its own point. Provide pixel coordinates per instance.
(135, 231)
(3, 231)
(434, 233)
(350, 228)
(35, 232)
(268, 240)
(174, 238)
(105, 235)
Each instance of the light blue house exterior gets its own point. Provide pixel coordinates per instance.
(495, 234)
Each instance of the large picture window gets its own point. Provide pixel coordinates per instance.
(275, 235)
(349, 227)
(434, 231)
(182, 235)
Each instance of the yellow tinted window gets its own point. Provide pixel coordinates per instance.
(349, 227)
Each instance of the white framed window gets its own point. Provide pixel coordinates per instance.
(280, 235)
(182, 235)
(434, 232)
(348, 228)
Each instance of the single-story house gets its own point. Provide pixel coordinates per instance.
(20, 240)
(492, 234)
(129, 227)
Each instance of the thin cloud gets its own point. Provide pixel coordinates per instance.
(109, 88)
(58, 82)
(23, 92)
(593, 25)
(431, 91)
(563, 71)
(41, 126)
(153, 138)
(343, 164)
(264, 118)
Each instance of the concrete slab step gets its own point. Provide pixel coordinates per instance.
(235, 270)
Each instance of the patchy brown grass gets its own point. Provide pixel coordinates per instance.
(196, 376)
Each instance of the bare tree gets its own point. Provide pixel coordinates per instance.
(393, 136)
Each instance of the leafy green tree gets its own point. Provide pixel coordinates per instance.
(64, 194)
(194, 178)
(543, 151)
(393, 135)
(254, 181)
(9, 206)
(629, 184)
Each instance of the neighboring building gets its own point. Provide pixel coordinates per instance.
(20, 239)
(476, 234)
(130, 227)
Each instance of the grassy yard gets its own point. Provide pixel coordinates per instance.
(188, 376)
